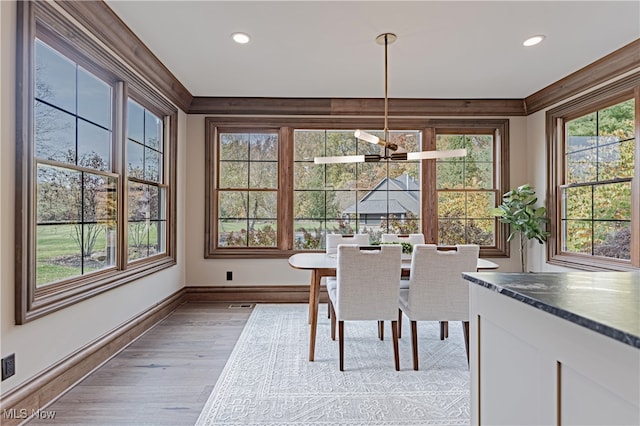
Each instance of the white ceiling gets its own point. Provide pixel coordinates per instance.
(445, 49)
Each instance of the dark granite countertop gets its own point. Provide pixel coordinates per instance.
(605, 302)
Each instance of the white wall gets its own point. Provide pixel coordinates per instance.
(45, 341)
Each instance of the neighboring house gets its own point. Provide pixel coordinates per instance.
(401, 196)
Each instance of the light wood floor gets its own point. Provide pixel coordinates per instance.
(163, 378)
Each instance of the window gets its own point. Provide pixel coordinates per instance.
(595, 203)
(73, 231)
(271, 201)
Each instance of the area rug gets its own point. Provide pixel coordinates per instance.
(268, 379)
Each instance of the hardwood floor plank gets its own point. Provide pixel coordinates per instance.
(163, 378)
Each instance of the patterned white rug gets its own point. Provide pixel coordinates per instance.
(268, 379)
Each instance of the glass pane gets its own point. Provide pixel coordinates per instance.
(135, 159)
(479, 148)
(340, 176)
(451, 231)
(612, 239)
(263, 205)
(409, 140)
(233, 174)
(308, 144)
(153, 165)
(478, 175)
(612, 201)
(615, 159)
(450, 175)
(99, 199)
(94, 99)
(343, 226)
(154, 202)
(54, 134)
(308, 235)
(58, 255)
(263, 175)
(94, 146)
(264, 234)
(232, 233)
(577, 203)
(445, 142)
(55, 78)
(310, 204)
(138, 236)
(581, 166)
(233, 204)
(135, 122)
(577, 236)
(152, 131)
(161, 239)
(152, 247)
(138, 202)
(480, 231)
(407, 173)
(451, 204)
(263, 147)
(581, 133)
(372, 176)
(479, 204)
(95, 246)
(617, 120)
(404, 224)
(308, 176)
(341, 143)
(58, 196)
(234, 146)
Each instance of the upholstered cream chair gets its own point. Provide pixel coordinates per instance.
(334, 239)
(437, 291)
(412, 239)
(365, 288)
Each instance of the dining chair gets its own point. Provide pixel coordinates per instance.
(412, 239)
(437, 291)
(365, 288)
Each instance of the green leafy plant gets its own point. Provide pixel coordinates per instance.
(526, 221)
(407, 248)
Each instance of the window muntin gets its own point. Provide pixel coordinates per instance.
(247, 189)
(466, 189)
(596, 196)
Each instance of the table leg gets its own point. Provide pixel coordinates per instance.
(313, 311)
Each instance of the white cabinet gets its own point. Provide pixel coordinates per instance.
(529, 367)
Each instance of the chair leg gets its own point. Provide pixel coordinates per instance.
(341, 343)
(381, 330)
(396, 355)
(333, 321)
(444, 329)
(414, 343)
(465, 330)
(399, 323)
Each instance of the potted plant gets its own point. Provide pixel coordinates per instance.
(527, 221)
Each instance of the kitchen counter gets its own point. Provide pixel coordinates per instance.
(605, 302)
(554, 348)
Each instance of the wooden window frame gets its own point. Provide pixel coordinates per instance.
(286, 126)
(45, 20)
(611, 94)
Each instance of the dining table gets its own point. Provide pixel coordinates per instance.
(324, 265)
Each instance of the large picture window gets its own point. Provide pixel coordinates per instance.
(273, 201)
(96, 203)
(595, 151)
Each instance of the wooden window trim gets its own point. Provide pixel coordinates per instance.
(625, 88)
(213, 125)
(45, 20)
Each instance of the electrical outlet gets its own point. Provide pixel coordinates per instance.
(8, 366)
(229, 275)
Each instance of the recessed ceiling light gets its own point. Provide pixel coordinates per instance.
(533, 40)
(241, 38)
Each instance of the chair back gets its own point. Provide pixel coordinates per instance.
(367, 282)
(334, 239)
(412, 239)
(437, 291)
